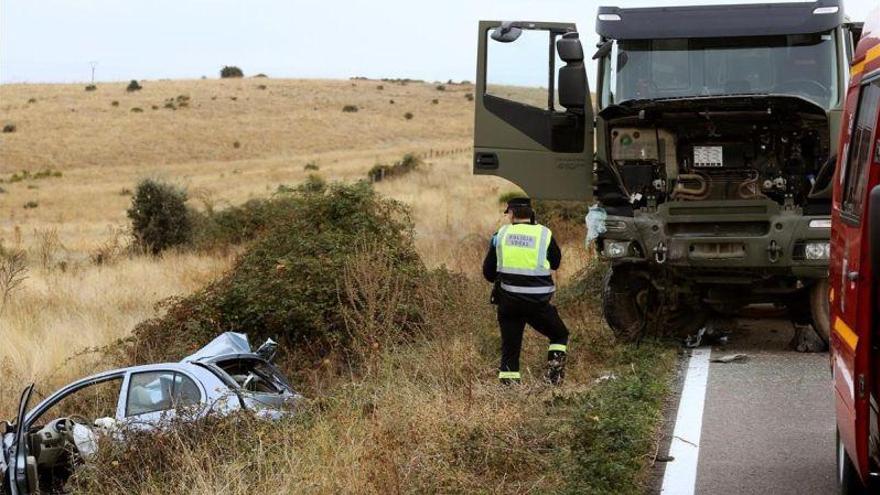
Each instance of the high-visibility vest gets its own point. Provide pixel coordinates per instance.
(523, 267)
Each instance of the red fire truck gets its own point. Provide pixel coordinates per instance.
(855, 273)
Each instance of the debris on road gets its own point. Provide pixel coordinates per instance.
(730, 358)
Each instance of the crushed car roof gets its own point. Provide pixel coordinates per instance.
(227, 343)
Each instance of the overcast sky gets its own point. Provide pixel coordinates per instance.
(54, 40)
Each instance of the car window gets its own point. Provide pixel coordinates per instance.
(98, 400)
(153, 391)
(254, 375)
(855, 170)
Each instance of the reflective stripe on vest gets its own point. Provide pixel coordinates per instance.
(521, 249)
(544, 289)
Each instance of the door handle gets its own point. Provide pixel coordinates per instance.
(486, 161)
(852, 276)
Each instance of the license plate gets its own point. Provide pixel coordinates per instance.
(708, 156)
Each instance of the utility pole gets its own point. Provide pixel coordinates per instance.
(93, 63)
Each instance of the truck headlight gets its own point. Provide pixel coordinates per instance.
(817, 250)
(616, 249)
(820, 223)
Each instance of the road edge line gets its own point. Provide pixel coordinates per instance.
(680, 476)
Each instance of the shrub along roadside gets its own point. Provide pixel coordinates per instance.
(285, 284)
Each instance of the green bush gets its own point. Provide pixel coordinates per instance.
(229, 71)
(408, 115)
(617, 423)
(350, 108)
(159, 216)
(24, 175)
(91, 87)
(311, 166)
(133, 86)
(9, 128)
(504, 197)
(405, 165)
(286, 284)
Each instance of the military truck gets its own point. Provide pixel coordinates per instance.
(709, 152)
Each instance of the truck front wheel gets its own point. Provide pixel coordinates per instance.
(634, 307)
(820, 307)
(626, 294)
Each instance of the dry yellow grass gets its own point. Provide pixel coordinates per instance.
(103, 150)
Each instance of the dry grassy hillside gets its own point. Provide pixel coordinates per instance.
(102, 150)
(97, 151)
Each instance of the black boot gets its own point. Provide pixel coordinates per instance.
(555, 368)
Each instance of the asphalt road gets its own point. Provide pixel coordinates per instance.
(768, 421)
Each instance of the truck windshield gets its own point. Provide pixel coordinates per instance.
(802, 65)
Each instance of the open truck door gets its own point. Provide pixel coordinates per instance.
(854, 295)
(534, 117)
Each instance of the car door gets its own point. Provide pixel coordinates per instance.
(21, 480)
(852, 304)
(155, 396)
(533, 120)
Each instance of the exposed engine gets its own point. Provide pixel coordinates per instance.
(773, 153)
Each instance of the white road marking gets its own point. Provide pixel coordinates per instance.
(680, 477)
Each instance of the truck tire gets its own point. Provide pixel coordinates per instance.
(820, 307)
(633, 309)
(625, 293)
(848, 482)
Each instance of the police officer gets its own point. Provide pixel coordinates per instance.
(521, 259)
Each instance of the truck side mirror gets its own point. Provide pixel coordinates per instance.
(506, 32)
(572, 76)
(874, 229)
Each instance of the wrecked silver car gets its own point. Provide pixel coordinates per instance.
(41, 446)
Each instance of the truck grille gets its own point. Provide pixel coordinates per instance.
(719, 229)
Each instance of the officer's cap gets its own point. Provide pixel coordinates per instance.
(517, 203)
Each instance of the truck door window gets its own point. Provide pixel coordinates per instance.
(855, 170)
(518, 71)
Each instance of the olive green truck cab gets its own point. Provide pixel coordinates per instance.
(709, 151)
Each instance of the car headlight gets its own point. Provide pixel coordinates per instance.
(817, 250)
(820, 223)
(616, 249)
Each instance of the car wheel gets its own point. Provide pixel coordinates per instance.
(820, 308)
(848, 482)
